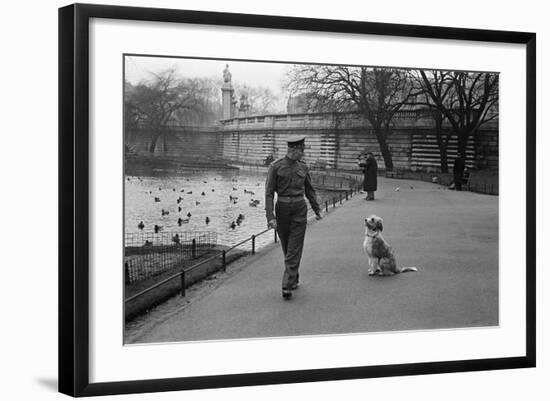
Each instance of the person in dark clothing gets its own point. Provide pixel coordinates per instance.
(370, 175)
(458, 171)
(289, 178)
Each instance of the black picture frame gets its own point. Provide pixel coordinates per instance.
(74, 194)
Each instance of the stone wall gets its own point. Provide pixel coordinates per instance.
(335, 142)
(331, 141)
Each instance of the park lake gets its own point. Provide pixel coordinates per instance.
(190, 196)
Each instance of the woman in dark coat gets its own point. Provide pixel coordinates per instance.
(370, 180)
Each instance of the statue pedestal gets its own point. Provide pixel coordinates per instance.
(227, 99)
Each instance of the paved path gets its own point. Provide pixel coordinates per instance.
(452, 237)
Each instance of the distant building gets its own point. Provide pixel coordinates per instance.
(302, 103)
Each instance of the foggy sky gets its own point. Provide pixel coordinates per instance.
(255, 74)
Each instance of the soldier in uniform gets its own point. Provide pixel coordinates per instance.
(289, 178)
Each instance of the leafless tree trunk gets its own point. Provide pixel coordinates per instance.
(377, 93)
(467, 100)
(158, 101)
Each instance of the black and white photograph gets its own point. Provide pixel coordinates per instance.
(280, 199)
(243, 200)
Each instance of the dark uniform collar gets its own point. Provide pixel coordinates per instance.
(289, 160)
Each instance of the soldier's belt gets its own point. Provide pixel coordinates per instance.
(290, 199)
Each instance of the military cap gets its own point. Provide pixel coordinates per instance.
(296, 140)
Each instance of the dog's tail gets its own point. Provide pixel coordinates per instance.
(407, 269)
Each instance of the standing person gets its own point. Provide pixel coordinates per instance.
(458, 171)
(370, 175)
(290, 178)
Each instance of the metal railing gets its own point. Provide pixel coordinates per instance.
(148, 254)
(354, 115)
(181, 275)
(475, 183)
(337, 181)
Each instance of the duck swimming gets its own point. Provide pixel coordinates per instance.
(254, 203)
(240, 219)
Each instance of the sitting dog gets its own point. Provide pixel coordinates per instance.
(379, 252)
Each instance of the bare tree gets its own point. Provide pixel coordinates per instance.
(376, 93)
(209, 107)
(466, 99)
(132, 116)
(441, 85)
(261, 99)
(154, 103)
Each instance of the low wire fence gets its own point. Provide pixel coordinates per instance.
(479, 182)
(484, 182)
(337, 181)
(148, 254)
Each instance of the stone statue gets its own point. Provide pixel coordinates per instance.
(226, 74)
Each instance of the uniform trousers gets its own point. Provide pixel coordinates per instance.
(291, 227)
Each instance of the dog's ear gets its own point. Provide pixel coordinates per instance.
(379, 225)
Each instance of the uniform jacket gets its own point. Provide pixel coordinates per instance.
(370, 171)
(288, 177)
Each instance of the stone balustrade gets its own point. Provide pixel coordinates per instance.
(333, 140)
